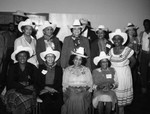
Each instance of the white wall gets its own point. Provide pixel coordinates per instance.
(112, 13)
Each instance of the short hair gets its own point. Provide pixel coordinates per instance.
(84, 60)
(27, 53)
(99, 63)
(145, 20)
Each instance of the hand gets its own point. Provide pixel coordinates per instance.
(51, 90)
(30, 87)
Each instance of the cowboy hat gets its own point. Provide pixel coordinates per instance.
(48, 51)
(80, 52)
(118, 32)
(48, 24)
(76, 24)
(19, 13)
(131, 26)
(19, 49)
(101, 56)
(25, 23)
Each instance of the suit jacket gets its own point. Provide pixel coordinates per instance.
(40, 47)
(68, 46)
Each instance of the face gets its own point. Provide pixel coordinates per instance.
(77, 60)
(28, 30)
(104, 63)
(147, 25)
(118, 40)
(100, 34)
(22, 57)
(48, 31)
(76, 31)
(131, 32)
(11, 27)
(50, 58)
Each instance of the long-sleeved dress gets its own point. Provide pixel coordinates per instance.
(77, 97)
(120, 63)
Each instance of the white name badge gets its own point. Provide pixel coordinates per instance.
(44, 72)
(107, 45)
(108, 76)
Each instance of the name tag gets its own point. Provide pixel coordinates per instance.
(108, 76)
(107, 45)
(44, 72)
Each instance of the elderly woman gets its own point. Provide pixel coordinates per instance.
(100, 44)
(121, 58)
(27, 40)
(105, 81)
(21, 78)
(72, 42)
(46, 39)
(77, 84)
(51, 82)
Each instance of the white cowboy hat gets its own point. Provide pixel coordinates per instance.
(48, 24)
(19, 49)
(131, 26)
(48, 51)
(25, 23)
(118, 32)
(76, 24)
(101, 56)
(19, 13)
(80, 52)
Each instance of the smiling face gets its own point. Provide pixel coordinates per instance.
(22, 57)
(27, 30)
(131, 32)
(118, 40)
(100, 33)
(48, 31)
(77, 60)
(50, 59)
(76, 31)
(104, 63)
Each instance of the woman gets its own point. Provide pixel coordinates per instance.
(72, 42)
(47, 39)
(100, 44)
(77, 85)
(105, 81)
(20, 96)
(51, 82)
(26, 40)
(133, 43)
(121, 58)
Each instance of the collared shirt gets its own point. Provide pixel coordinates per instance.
(22, 41)
(145, 41)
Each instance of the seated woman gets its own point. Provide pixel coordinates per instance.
(51, 82)
(77, 84)
(105, 81)
(20, 96)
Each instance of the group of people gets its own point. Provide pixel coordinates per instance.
(86, 71)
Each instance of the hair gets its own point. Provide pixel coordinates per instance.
(145, 20)
(99, 63)
(27, 53)
(84, 60)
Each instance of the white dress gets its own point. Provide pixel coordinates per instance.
(120, 63)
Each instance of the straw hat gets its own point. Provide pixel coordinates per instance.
(118, 32)
(48, 51)
(101, 56)
(25, 23)
(80, 52)
(19, 49)
(131, 26)
(19, 13)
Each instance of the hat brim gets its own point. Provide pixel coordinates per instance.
(128, 28)
(56, 53)
(78, 54)
(21, 24)
(49, 25)
(98, 58)
(13, 55)
(123, 35)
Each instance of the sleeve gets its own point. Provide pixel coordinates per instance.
(65, 79)
(131, 52)
(89, 79)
